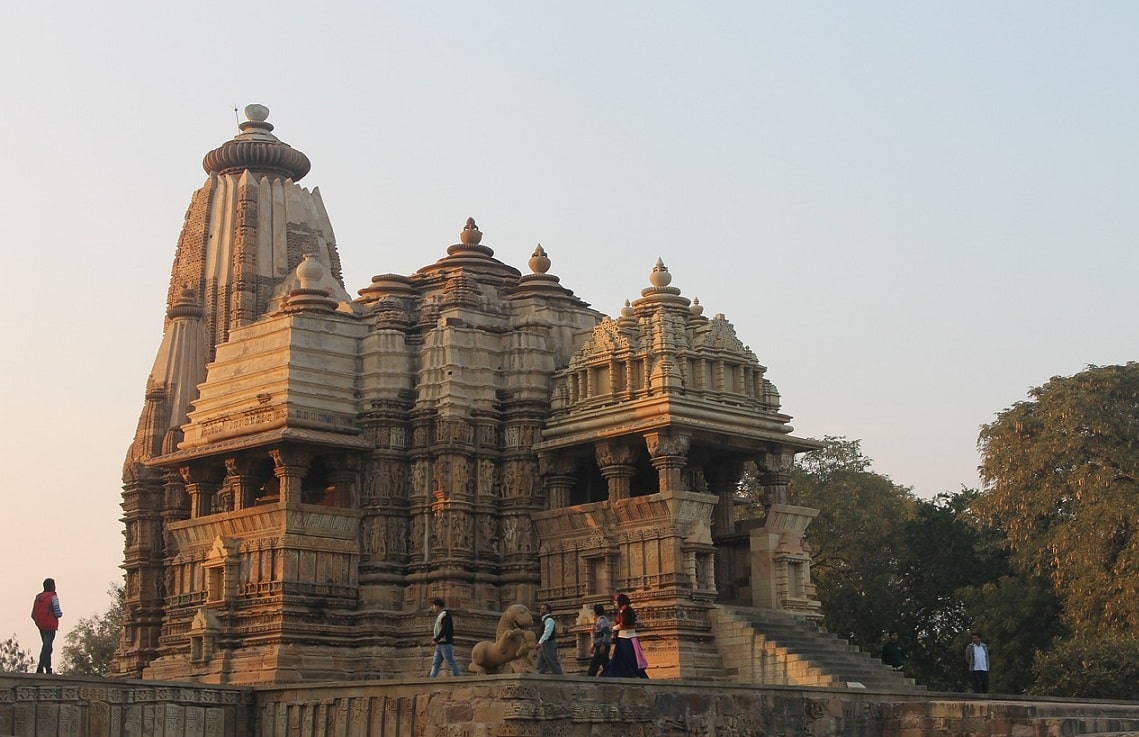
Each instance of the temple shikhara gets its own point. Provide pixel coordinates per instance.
(311, 468)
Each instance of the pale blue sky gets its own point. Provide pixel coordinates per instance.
(911, 212)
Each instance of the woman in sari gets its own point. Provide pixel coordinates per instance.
(628, 661)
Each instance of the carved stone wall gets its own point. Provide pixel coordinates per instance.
(523, 706)
(92, 707)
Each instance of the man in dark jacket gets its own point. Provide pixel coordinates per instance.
(893, 653)
(46, 614)
(444, 640)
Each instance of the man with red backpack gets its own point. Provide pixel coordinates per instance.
(46, 614)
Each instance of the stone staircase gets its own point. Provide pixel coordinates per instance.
(761, 646)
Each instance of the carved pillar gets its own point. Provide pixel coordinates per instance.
(346, 478)
(290, 466)
(558, 477)
(775, 475)
(202, 482)
(558, 489)
(242, 479)
(668, 451)
(723, 473)
(223, 499)
(616, 460)
(774, 485)
(175, 500)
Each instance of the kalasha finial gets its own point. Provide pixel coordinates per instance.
(309, 295)
(256, 112)
(471, 234)
(660, 276)
(696, 309)
(309, 272)
(627, 310)
(257, 119)
(539, 262)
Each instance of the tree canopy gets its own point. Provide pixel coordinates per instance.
(855, 543)
(90, 645)
(15, 659)
(1061, 472)
(1019, 616)
(1044, 560)
(884, 560)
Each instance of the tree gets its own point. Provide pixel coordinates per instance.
(1090, 666)
(883, 559)
(1061, 472)
(856, 541)
(1019, 617)
(13, 658)
(943, 552)
(90, 645)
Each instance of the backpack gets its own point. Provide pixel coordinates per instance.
(606, 637)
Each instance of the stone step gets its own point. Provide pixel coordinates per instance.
(807, 652)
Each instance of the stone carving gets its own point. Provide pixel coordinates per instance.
(487, 487)
(488, 537)
(605, 341)
(469, 430)
(417, 535)
(418, 478)
(462, 478)
(514, 646)
(667, 444)
(517, 534)
(376, 539)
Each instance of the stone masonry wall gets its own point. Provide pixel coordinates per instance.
(62, 706)
(523, 706)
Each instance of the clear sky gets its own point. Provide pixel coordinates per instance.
(912, 212)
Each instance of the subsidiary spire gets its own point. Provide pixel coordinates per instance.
(258, 150)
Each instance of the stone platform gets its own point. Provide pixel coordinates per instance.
(546, 706)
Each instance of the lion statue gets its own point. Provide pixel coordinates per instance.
(514, 646)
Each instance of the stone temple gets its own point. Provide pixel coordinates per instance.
(311, 469)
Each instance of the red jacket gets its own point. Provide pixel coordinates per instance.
(43, 611)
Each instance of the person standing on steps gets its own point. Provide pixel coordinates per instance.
(893, 652)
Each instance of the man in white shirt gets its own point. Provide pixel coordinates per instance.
(547, 645)
(444, 634)
(977, 658)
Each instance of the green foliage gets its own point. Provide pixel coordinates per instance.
(942, 553)
(13, 658)
(883, 559)
(90, 645)
(1018, 616)
(1062, 478)
(1090, 666)
(855, 543)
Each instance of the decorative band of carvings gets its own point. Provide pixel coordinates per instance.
(116, 696)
